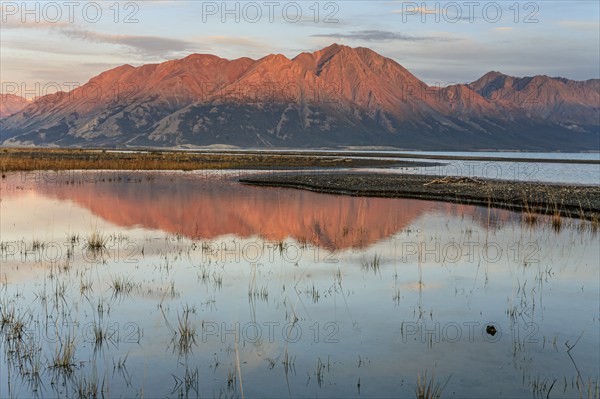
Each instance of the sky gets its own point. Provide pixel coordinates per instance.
(46, 46)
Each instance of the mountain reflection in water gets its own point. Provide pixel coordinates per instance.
(208, 208)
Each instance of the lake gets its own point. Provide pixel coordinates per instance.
(192, 285)
(529, 171)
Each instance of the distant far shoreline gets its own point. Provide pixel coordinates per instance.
(11, 158)
(28, 159)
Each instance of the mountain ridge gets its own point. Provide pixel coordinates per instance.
(11, 104)
(333, 97)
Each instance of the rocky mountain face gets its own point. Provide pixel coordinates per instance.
(334, 97)
(11, 104)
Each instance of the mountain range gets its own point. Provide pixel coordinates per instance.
(334, 97)
(11, 104)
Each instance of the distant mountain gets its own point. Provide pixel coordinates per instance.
(560, 100)
(11, 104)
(337, 96)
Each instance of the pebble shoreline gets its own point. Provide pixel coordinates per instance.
(567, 200)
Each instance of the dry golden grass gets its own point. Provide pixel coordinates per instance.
(25, 159)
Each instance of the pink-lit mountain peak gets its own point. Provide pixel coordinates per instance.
(334, 96)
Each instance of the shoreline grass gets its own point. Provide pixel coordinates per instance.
(29, 159)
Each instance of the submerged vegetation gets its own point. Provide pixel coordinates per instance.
(245, 315)
(371, 264)
(96, 242)
(428, 388)
(197, 327)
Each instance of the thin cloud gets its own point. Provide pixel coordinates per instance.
(148, 46)
(580, 25)
(379, 36)
(419, 10)
(235, 41)
(14, 23)
(450, 14)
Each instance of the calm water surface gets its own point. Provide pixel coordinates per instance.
(547, 172)
(588, 174)
(207, 288)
